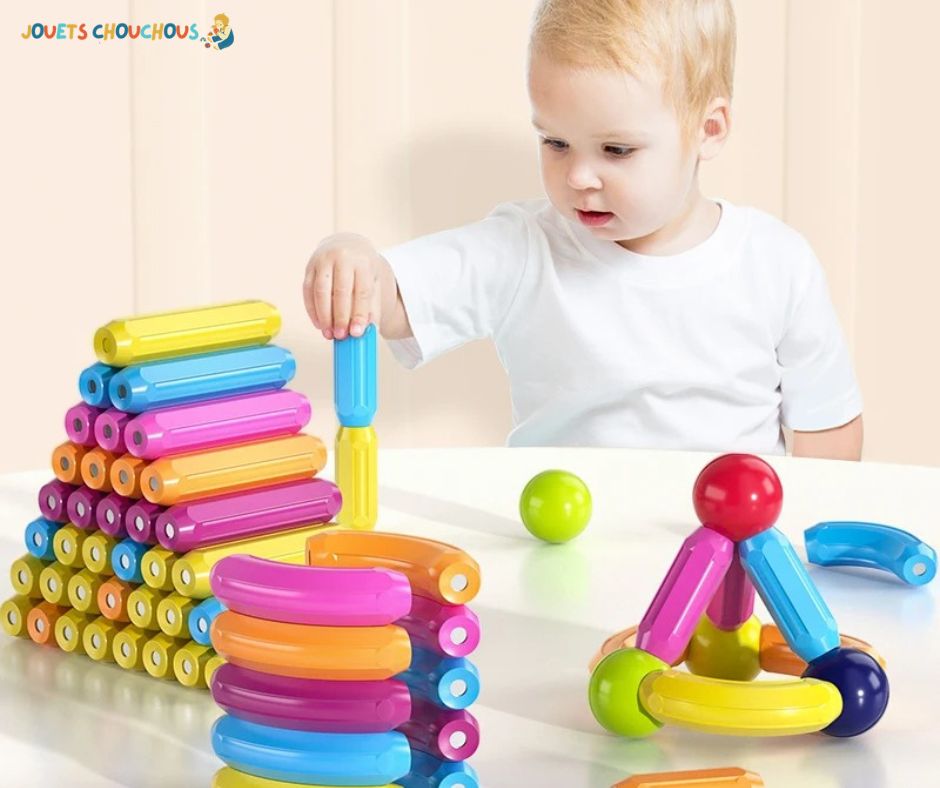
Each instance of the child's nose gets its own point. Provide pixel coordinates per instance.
(582, 176)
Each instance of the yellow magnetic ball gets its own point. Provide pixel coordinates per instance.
(721, 654)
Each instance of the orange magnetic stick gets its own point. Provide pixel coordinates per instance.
(112, 599)
(40, 622)
(777, 657)
(436, 570)
(626, 638)
(67, 462)
(186, 477)
(310, 652)
(96, 469)
(125, 475)
(731, 777)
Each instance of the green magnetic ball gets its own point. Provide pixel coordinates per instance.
(555, 506)
(614, 692)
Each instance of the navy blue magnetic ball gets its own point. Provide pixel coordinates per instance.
(861, 682)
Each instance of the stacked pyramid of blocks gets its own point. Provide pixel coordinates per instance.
(702, 615)
(350, 670)
(185, 448)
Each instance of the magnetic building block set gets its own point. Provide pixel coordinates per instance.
(174, 540)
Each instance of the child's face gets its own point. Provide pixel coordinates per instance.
(610, 144)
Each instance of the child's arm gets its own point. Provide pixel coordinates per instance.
(839, 443)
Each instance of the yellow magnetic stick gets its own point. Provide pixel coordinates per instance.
(127, 648)
(24, 576)
(98, 639)
(158, 655)
(173, 615)
(67, 545)
(762, 708)
(189, 664)
(212, 665)
(142, 605)
(729, 777)
(96, 553)
(191, 571)
(357, 452)
(149, 337)
(227, 777)
(83, 591)
(54, 583)
(156, 566)
(13, 614)
(69, 629)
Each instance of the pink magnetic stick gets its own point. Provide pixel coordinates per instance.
(109, 430)
(314, 595)
(733, 603)
(311, 704)
(110, 514)
(82, 506)
(223, 518)
(53, 500)
(448, 734)
(184, 428)
(80, 424)
(451, 630)
(141, 519)
(688, 587)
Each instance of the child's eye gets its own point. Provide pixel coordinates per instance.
(620, 151)
(554, 144)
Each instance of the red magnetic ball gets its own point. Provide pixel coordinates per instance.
(738, 495)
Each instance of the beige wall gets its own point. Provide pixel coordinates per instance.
(144, 176)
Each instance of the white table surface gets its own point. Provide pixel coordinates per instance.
(67, 721)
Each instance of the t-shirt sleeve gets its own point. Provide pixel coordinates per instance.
(818, 385)
(458, 285)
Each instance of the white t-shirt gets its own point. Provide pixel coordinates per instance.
(711, 349)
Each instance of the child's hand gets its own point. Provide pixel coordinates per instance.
(342, 286)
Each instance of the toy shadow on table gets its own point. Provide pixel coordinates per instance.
(102, 716)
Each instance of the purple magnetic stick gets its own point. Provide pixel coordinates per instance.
(224, 518)
(451, 630)
(311, 704)
(733, 603)
(81, 507)
(314, 595)
(448, 734)
(110, 514)
(140, 521)
(53, 500)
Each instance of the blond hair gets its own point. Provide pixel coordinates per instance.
(689, 43)
(223, 17)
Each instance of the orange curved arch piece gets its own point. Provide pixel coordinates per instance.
(777, 657)
(436, 570)
(308, 652)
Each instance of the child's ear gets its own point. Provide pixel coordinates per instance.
(715, 128)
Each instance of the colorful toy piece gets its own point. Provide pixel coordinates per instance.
(730, 777)
(93, 384)
(356, 467)
(365, 597)
(872, 545)
(842, 691)
(305, 757)
(555, 506)
(355, 382)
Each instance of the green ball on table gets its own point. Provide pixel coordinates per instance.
(555, 506)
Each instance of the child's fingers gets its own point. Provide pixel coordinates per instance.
(323, 297)
(363, 292)
(344, 278)
(309, 304)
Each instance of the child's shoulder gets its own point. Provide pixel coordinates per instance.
(777, 248)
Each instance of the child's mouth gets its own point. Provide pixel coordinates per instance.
(594, 218)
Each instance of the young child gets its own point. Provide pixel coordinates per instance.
(628, 309)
